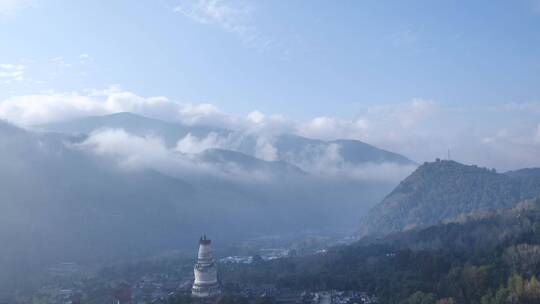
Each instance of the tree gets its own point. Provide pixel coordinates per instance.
(421, 298)
(265, 300)
(523, 258)
(180, 299)
(446, 301)
(229, 299)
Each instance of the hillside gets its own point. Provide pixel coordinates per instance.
(103, 188)
(90, 207)
(233, 160)
(445, 190)
(492, 259)
(59, 204)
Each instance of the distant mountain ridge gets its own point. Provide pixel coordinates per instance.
(445, 190)
(290, 148)
(133, 123)
(297, 149)
(248, 163)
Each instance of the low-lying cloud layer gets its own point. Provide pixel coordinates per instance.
(186, 160)
(502, 136)
(133, 152)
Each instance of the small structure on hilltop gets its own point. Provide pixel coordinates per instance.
(206, 283)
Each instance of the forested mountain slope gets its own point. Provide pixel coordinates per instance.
(446, 190)
(490, 259)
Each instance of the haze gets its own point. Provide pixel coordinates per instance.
(130, 128)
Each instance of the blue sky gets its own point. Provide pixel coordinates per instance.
(350, 62)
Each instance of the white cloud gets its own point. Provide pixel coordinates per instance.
(388, 121)
(8, 7)
(420, 129)
(60, 62)
(327, 161)
(506, 147)
(533, 106)
(256, 117)
(327, 158)
(11, 72)
(258, 122)
(424, 129)
(419, 109)
(193, 144)
(236, 17)
(131, 152)
(84, 58)
(63, 68)
(333, 128)
(27, 110)
(36, 109)
(407, 115)
(265, 149)
(388, 172)
(204, 114)
(232, 16)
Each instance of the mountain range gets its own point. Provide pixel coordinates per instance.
(288, 147)
(96, 189)
(135, 124)
(100, 188)
(445, 191)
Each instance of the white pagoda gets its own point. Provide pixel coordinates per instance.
(205, 284)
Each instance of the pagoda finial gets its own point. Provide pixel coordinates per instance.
(204, 240)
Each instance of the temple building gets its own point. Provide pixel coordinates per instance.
(206, 283)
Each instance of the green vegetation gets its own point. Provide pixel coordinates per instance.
(494, 258)
(444, 191)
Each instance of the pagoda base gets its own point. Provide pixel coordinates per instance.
(205, 291)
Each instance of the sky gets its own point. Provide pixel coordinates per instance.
(414, 77)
